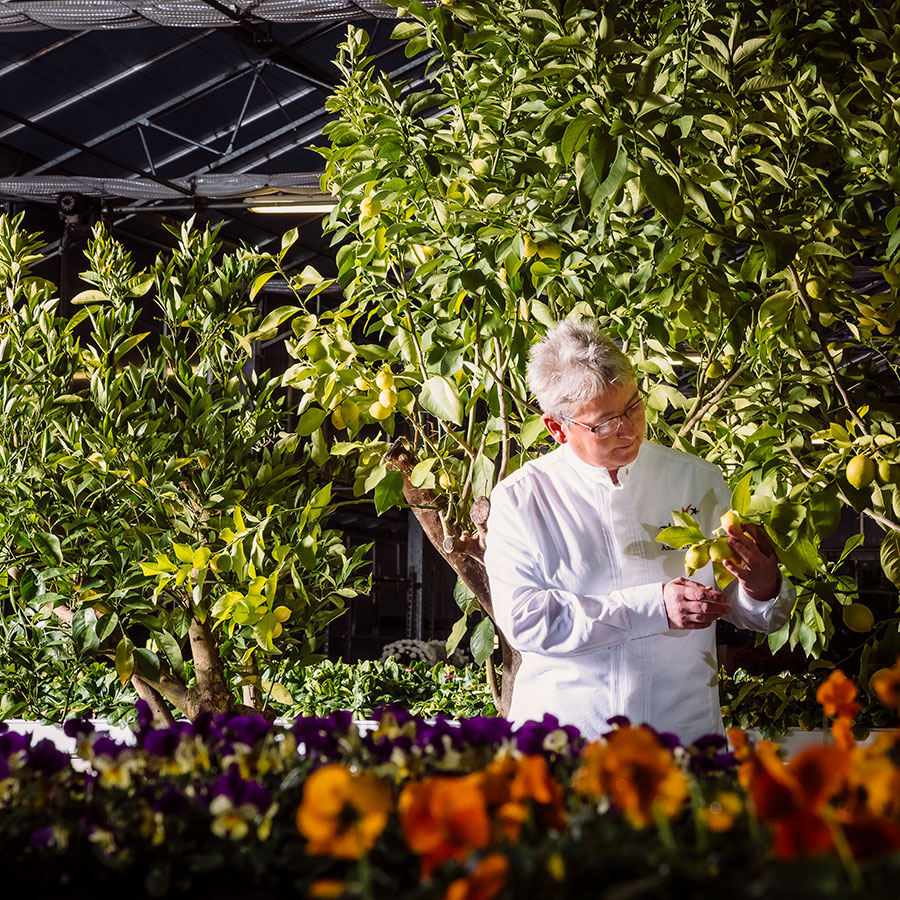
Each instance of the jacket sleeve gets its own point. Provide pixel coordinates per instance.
(538, 617)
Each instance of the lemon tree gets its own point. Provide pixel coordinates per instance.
(150, 500)
(716, 181)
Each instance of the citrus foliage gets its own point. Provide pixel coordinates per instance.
(705, 177)
(148, 497)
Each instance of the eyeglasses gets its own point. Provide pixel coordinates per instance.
(611, 425)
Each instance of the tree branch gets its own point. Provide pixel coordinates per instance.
(817, 330)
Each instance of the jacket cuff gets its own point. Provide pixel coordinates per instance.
(646, 609)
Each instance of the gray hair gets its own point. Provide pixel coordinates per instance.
(576, 362)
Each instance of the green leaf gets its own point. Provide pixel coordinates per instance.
(464, 597)
(763, 83)
(441, 398)
(90, 296)
(780, 249)
(678, 536)
(184, 553)
(48, 546)
(663, 193)
(850, 545)
(890, 556)
(259, 283)
(146, 663)
(482, 643)
(532, 428)
(574, 136)
(125, 660)
(388, 491)
(288, 239)
(129, 344)
(740, 496)
(457, 633)
(311, 421)
(172, 648)
(84, 630)
(269, 326)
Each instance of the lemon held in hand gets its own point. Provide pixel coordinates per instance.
(720, 550)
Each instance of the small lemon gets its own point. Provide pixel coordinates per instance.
(388, 397)
(815, 288)
(370, 207)
(282, 613)
(549, 250)
(530, 247)
(858, 617)
(697, 556)
(379, 411)
(861, 471)
(877, 676)
(276, 631)
(384, 379)
(714, 370)
(888, 471)
(361, 384)
(731, 519)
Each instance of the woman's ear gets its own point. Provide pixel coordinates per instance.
(554, 426)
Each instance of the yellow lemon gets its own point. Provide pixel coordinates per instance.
(384, 379)
(361, 384)
(714, 370)
(282, 613)
(388, 397)
(379, 411)
(370, 207)
(878, 675)
(276, 631)
(731, 519)
(858, 617)
(888, 471)
(530, 247)
(697, 556)
(861, 471)
(815, 288)
(720, 550)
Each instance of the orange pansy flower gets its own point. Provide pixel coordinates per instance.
(484, 883)
(342, 812)
(837, 695)
(444, 818)
(635, 772)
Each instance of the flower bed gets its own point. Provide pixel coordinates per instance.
(461, 811)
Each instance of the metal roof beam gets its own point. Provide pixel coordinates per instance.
(196, 93)
(109, 82)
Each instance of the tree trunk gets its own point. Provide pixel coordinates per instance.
(464, 553)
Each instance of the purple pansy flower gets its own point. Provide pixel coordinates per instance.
(47, 758)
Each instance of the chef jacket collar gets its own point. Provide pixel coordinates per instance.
(598, 474)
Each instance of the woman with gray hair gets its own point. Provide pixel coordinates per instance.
(604, 619)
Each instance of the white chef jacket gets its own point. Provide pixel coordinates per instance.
(576, 579)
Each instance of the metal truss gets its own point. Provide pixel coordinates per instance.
(28, 15)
